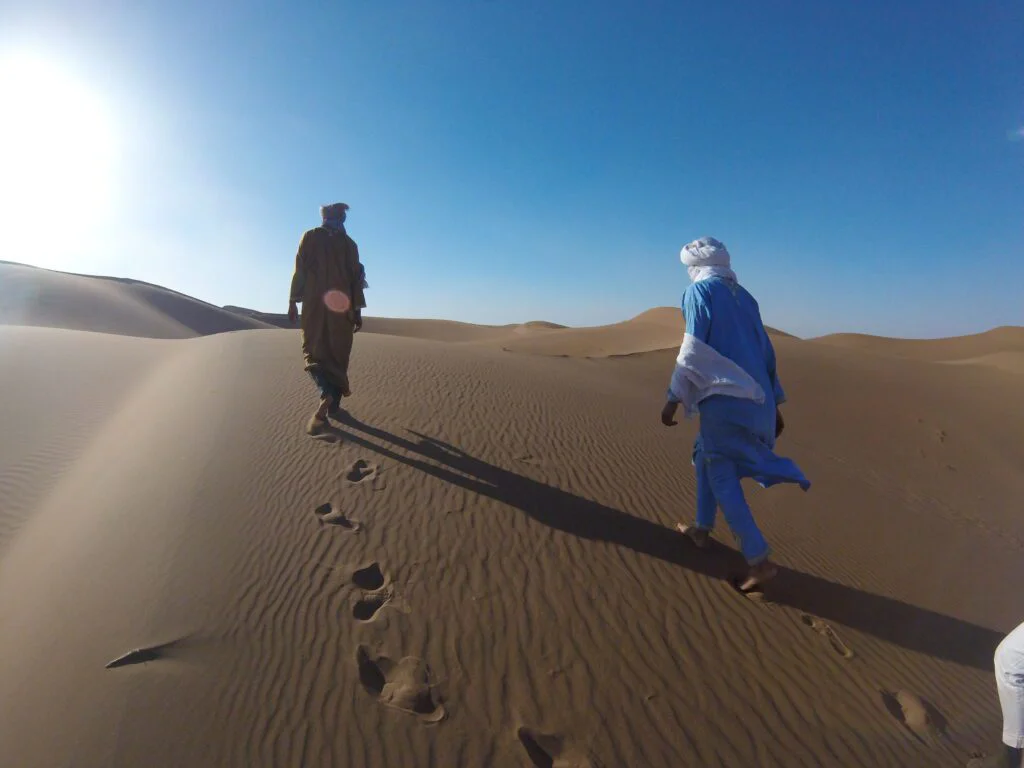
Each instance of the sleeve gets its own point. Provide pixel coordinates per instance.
(359, 284)
(697, 313)
(298, 288)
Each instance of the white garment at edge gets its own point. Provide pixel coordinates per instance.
(1009, 665)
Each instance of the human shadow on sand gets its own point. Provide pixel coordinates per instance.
(914, 628)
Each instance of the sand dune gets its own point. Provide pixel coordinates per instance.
(656, 329)
(996, 341)
(483, 571)
(275, 319)
(450, 331)
(651, 331)
(41, 297)
(435, 330)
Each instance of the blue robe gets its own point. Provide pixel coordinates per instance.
(723, 315)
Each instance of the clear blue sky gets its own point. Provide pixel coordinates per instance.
(546, 159)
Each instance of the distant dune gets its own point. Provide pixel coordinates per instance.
(651, 331)
(478, 566)
(277, 320)
(449, 331)
(996, 341)
(656, 329)
(41, 297)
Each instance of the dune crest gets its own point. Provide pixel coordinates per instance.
(41, 297)
(1008, 339)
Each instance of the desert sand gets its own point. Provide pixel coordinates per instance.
(479, 566)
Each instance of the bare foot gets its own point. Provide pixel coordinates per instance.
(701, 537)
(318, 421)
(758, 575)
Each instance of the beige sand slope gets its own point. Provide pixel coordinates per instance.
(479, 568)
(41, 297)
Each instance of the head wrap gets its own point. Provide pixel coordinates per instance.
(705, 258)
(333, 214)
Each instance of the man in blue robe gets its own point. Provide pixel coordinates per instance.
(726, 372)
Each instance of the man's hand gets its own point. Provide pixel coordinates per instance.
(668, 414)
(357, 321)
(780, 423)
(293, 312)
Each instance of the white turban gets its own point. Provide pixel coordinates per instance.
(705, 258)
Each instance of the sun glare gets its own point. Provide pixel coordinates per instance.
(57, 155)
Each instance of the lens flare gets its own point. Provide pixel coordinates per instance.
(337, 301)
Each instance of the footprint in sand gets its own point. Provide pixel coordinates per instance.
(327, 514)
(370, 579)
(547, 750)
(360, 471)
(404, 685)
(369, 605)
(828, 633)
(916, 715)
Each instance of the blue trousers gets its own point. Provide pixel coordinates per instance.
(718, 485)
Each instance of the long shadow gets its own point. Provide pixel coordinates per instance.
(909, 626)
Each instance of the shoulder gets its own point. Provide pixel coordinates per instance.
(313, 235)
(698, 293)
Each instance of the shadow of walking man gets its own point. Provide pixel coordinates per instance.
(909, 626)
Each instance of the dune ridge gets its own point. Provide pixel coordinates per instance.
(42, 297)
(996, 341)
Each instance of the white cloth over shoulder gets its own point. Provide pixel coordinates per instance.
(707, 257)
(701, 372)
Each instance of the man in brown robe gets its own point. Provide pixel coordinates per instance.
(329, 281)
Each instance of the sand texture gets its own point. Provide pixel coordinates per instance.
(479, 565)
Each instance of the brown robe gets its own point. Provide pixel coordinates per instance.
(327, 260)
